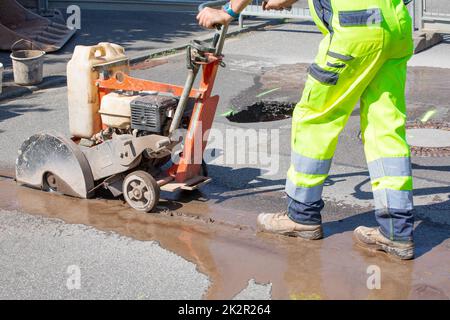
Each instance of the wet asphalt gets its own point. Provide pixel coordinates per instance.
(211, 233)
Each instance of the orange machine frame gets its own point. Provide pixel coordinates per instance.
(202, 115)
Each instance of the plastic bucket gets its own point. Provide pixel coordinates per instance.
(1, 77)
(28, 66)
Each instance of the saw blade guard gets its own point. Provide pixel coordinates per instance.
(52, 162)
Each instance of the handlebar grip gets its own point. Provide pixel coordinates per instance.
(212, 4)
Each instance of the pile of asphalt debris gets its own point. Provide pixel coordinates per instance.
(263, 111)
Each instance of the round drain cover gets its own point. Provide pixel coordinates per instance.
(428, 138)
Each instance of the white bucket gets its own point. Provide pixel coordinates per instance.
(28, 65)
(1, 77)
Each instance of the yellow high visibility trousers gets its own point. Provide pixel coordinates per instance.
(363, 56)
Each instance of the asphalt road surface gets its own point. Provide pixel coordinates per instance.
(204, 244)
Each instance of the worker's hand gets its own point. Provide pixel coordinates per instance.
(209, 18)
(277, 4)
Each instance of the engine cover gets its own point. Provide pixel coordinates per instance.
(149, 112)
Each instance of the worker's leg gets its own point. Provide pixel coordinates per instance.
(383, 118)
(333, 88)
(334, 85)
(348, 59)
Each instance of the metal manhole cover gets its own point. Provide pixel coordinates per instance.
(432, 138)
(429, 139)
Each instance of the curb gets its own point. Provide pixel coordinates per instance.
(19, 91)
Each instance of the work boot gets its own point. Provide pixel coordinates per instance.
(371, 238)
(280, 223)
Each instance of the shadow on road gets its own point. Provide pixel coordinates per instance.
(433, 168)
(17, 109)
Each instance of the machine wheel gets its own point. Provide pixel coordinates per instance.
(141, 191)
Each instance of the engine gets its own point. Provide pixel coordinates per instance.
(146, 113)
(150, 113)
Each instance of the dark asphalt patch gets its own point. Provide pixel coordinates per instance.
(263, 111)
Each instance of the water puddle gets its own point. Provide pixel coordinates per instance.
(230, 256)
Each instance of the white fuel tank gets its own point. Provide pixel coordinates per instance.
(83, 99)
(115, 110)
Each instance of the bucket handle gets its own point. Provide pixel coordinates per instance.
(27, 41)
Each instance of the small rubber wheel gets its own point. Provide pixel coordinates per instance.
(141, 191)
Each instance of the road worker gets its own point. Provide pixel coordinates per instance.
(362, 57)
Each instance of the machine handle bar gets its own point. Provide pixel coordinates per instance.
(217, 43)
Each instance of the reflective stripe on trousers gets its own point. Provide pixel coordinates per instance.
(306, 177)
(392, 183)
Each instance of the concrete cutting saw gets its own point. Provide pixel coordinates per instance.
(131, 136)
